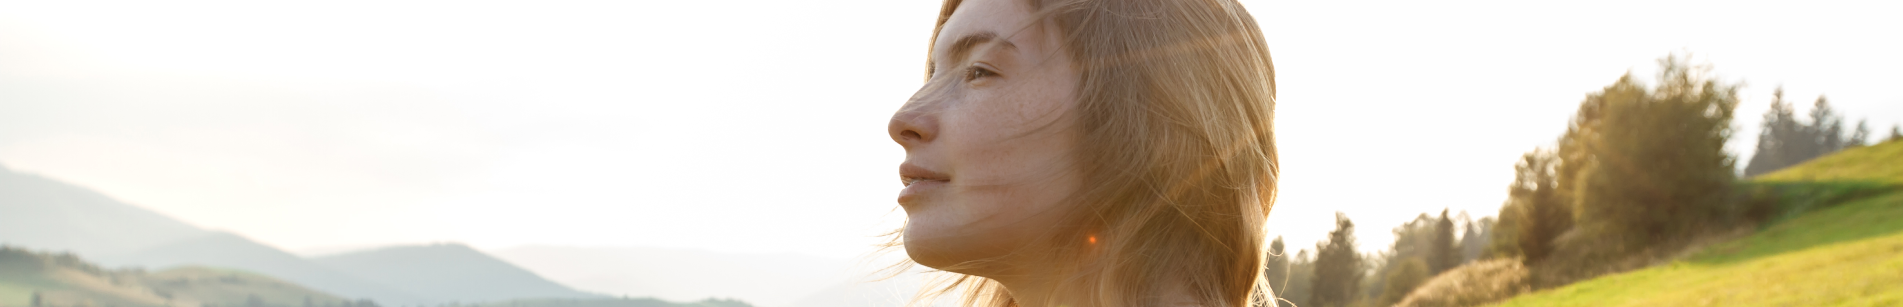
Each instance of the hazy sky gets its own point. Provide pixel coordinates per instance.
(759, 126)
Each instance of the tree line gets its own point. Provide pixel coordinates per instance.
(1785, 140)
(1639, 169)
(1338, 275)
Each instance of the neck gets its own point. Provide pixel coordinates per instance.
(1034, 281)
(1045, 290)
(1042, 291)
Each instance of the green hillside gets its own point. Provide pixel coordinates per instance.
(1839, 242)
(66, 280)
(1879, 163)
(63, 280)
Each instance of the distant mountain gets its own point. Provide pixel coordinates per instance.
(448, 272)
(67, 280)
(41, 213)
(770, 280)
(52, 215)
(226, 250)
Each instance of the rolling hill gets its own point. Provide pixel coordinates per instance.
(67, 280)
(1838, 241)
(448, 272)
(29, 278)
(43, 213)
(227, 250)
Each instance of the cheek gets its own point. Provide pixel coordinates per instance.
(1012, 163)
(1014, 156)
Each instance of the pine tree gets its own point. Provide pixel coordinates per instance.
(1443, 253)
(1826, 128)
(1338, 268)
(1781, 138)
(1859, 137)
(1474, 241)
(1784, 141)
(1896, 133)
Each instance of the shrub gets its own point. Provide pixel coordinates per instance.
(1477, 283)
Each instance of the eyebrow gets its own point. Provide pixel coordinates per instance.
(965, 45)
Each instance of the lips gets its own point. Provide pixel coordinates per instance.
(910, 174)
(918, 181)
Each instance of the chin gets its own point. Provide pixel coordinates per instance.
(926, 256)
(928, 246)
(924, 250)
(957, 248)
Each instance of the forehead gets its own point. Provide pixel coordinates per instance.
(1005, 19)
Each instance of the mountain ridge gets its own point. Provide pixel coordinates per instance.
(228, 250)
(45, 213)
(448, 271)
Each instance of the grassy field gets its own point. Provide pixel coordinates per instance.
(69, 281)
(1847, 251)
(1882, 162)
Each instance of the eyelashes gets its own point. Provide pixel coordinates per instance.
(975, 72)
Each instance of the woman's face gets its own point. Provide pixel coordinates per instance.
(989, 140)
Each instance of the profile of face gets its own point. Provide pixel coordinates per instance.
(990, 138)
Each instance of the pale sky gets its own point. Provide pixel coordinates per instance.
(759, 126)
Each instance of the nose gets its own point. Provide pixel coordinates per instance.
(917, 122)
(911, 127)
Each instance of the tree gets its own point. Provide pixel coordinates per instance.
(1276, 267)
(1443, 253)
(1474, 241)
(1338, 267)
(1505, 239)
(1859, 137)
(1413, 241)
(1534, 202)
(1827, 127)
(1783, 140)
(1896, 133)
(1403, 279)
(1655, 161)
(1301, 280)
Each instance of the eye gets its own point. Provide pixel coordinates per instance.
(975, 72)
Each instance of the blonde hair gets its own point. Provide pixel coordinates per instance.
(1175, 104)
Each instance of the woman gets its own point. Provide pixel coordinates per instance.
(1091, 153)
